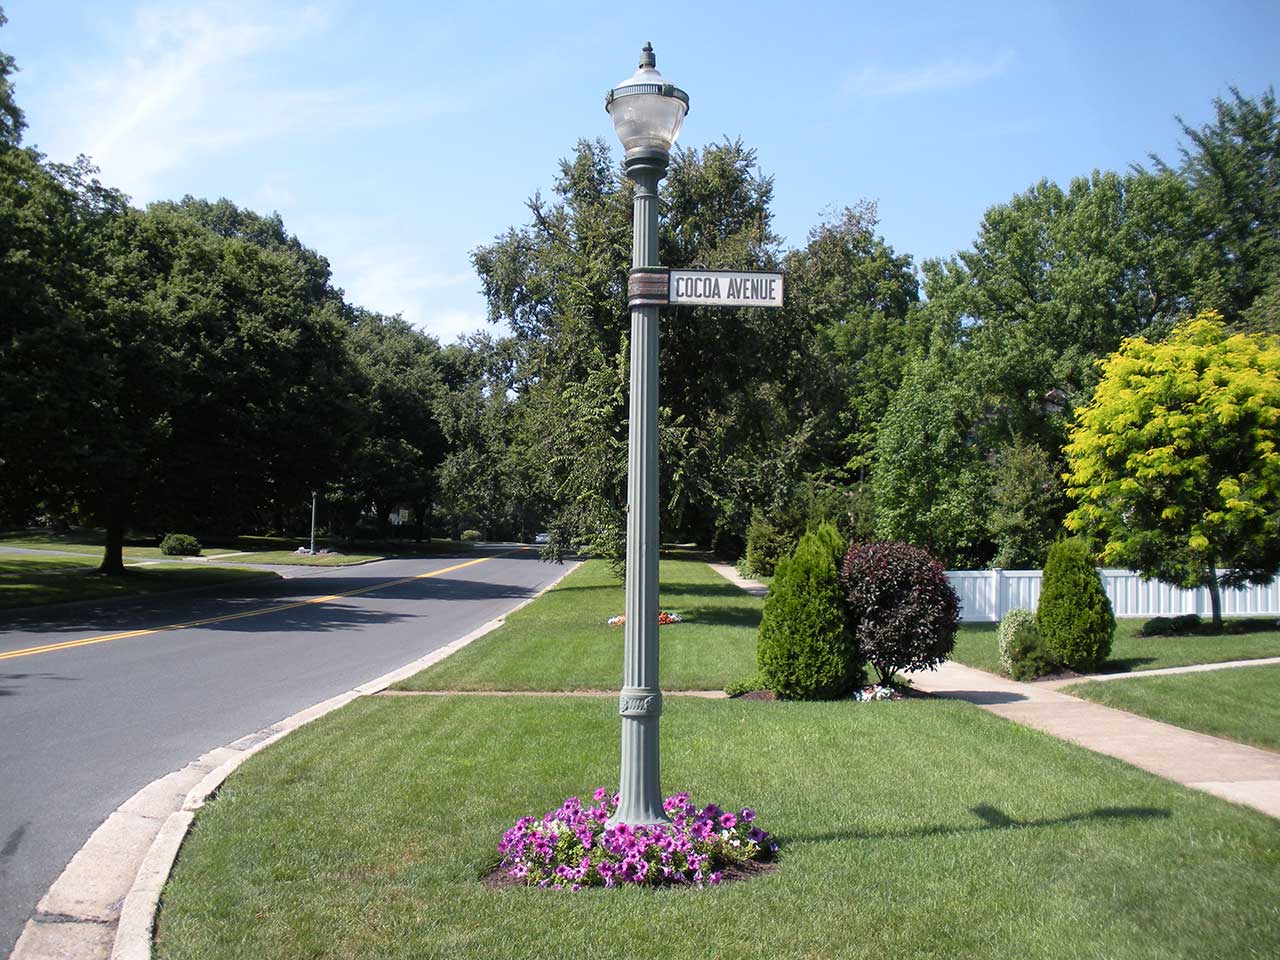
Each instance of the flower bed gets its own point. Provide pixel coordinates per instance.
(877, 691)
(664, 618)
(571, 848)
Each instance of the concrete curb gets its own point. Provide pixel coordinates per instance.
(104, 903)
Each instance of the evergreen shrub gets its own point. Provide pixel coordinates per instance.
(1074, 615)
(768, 542)
(1023, 654)
(180, 545)
(470, 536)
(803, 648)
(902, 611)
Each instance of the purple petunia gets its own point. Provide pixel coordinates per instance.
(571, 847)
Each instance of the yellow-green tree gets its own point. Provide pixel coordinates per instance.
(1174, 465)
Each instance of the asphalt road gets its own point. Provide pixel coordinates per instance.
(83, 727)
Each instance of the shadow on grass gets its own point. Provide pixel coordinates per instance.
(599, 587)
(720, 616)
(992, 819)
(1191, 625)
(724, 589)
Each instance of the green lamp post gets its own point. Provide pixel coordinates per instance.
(647, 114)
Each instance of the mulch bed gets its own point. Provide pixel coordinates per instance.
(900, 693)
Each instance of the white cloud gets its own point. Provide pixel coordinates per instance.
(192, 85)
(435, 292)
(449, 324)
(872, 81)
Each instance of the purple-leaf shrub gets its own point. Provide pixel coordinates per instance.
(901, 609)
(571, 848)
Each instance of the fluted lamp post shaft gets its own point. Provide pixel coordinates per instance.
(647, 113)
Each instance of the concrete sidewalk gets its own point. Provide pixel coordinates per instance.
(730, 573)
(1246, 775)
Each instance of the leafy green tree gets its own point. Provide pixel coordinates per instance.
(497, 448)
(42, 275)
(855, 301)
(1173, 465)
(1232, 166)
(271, 409)
(400, 442)
(12, 121)
(560, 283)
(1028, 505)
(929, 480)
(1054, 281)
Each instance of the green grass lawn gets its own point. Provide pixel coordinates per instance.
(88, 542)
(564, 642)
(250, 549)
(25, 564)
(303, 559)
(1240, 703)
(977, 646)
(30, 589)
(910, 829)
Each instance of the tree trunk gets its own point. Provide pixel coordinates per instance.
(421, 509)
(113, 555)
(1215, 598)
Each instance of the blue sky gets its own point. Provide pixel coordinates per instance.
(396, 137)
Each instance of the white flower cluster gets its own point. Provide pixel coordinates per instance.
(876, 692)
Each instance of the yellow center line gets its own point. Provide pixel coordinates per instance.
(278, 608)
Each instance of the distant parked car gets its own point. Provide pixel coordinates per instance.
(542, 538)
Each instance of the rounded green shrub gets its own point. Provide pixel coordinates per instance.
(470, 536)
(1074, 615)
(768, 542)
(1023, 654)
(804, 649)
(180, 545)
(902, 610)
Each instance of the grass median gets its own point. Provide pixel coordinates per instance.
(909, 829)
(564, 642)
(977, 646)
(1239, 703)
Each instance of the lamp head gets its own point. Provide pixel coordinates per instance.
(647, 111)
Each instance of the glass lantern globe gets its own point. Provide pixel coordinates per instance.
(647, 111)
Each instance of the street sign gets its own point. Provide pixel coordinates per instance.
(725, 288)
(658, 286)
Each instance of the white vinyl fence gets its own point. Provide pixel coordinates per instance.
(987, 595)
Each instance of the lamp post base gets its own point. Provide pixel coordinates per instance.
(640, 797)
